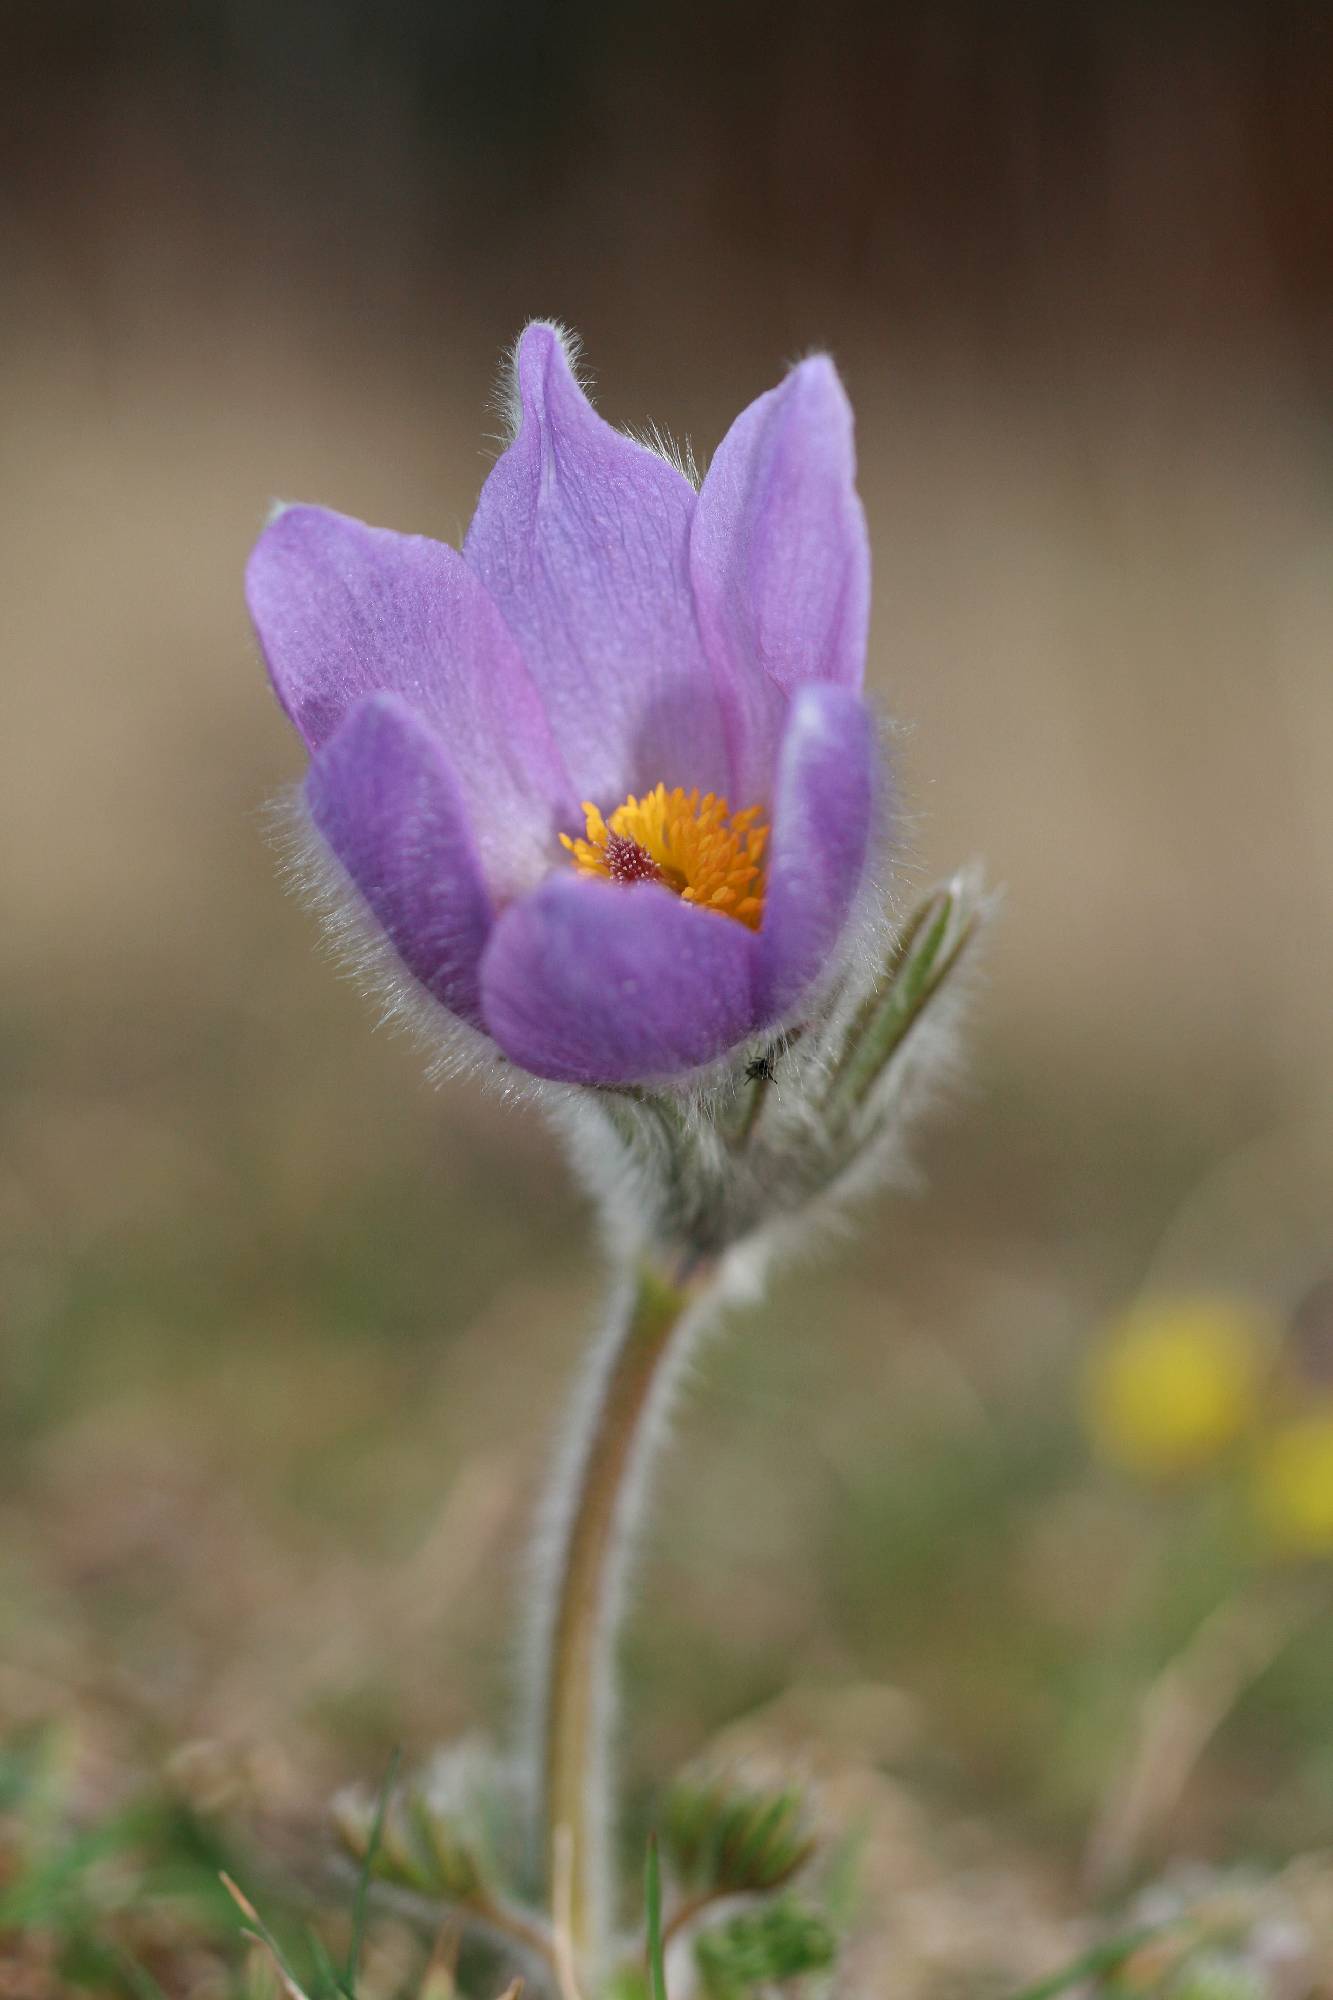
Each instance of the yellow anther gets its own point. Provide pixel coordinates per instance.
(691, 844)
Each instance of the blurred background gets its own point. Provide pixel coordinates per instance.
(282, 1327)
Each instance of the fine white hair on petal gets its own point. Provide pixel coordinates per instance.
(678, 453)
(364, 954)
(508, 402)
(878, 907)
(276, 510)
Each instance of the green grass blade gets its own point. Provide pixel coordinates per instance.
(361, 1906)
(653, 1898)
(261, 1934)
(327, 1982)
(1094, 1964)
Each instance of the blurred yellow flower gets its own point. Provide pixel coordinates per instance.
(1293, 1484)
(1176, 1381)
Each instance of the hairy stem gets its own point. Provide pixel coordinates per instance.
(597, 1509)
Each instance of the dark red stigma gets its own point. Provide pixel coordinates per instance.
(626, 861)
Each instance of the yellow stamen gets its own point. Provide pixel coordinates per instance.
(694, 845)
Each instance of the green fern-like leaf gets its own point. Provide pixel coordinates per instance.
(763, 1947)
(724, 1837)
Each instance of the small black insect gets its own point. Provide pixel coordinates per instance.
(759, 1069)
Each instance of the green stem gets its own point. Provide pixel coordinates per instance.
(578, 1670)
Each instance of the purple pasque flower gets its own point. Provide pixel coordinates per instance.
(522, 755)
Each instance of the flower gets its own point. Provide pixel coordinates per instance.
(1293, 1483)
(1176, 1382)
(524, 755)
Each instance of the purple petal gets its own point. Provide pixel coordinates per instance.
(343, 610)
(780, 559)
(581, 536)
(385, 796)
(599, 982)
(823, 815)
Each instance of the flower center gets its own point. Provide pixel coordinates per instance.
(692, 844)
